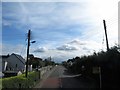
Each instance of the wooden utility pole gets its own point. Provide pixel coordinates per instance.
(106, 35)
(26, 74)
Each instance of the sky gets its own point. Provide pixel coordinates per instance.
(62, 29)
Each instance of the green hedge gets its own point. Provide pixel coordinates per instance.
(21, 81)
(0, 84)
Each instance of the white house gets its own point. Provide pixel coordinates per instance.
(3, 59)
(13, 62)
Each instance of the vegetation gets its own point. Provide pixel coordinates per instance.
(33, 77)
(0, 84)
(108, 61)
(39, 62)
(21, 81)
(48, 62)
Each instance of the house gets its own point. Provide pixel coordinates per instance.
(3, 58)
(12, 63)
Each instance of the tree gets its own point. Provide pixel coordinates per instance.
(35, 61)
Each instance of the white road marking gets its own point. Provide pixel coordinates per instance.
(71, 75)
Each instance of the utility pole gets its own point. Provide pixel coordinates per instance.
(26, 74)
(106, 35)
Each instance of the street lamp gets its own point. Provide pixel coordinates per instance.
(33, 41)
(28, 52)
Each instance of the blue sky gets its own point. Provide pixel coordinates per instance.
(61, 29)
(52, 25)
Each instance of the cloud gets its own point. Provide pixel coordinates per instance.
(78, 18)
(58, 24)
(42, 1)
(0, 48)
(77, 42)
(6, 23)
(67, 47)
(9, 49)
(41, 49)
(80, 45)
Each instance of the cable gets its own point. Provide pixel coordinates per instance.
(24, 46)
(103, 40)
(23, 49)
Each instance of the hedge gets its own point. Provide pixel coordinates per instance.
(0, 84)
(109, 62)
(21, 81)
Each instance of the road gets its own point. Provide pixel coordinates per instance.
(60, 78)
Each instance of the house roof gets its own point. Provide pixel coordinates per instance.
(19, 57)
(22, 60)
(4, 56)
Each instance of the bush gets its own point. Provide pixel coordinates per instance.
(0, 84)
(21, 81)
(109, 62)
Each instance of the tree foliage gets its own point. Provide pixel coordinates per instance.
(109, 62)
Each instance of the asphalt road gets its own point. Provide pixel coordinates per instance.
(60, 78)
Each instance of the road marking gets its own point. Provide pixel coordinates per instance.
(71, 75)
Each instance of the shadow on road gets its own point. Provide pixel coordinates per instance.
(60, 77)
(66, 72)
(70, 80)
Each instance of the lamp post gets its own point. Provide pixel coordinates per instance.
(26, 73)
(28, 46)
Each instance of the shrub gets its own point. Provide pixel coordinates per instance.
(21, 81)
(0, 84)
(109, 62)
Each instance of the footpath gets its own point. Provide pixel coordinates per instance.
(44, 78)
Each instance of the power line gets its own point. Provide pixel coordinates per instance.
(23, 49)
(103, 42)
